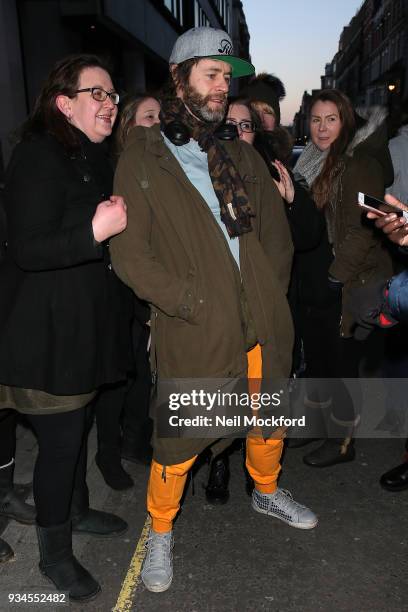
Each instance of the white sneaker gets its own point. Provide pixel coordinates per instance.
(157, 572)
(281, 505)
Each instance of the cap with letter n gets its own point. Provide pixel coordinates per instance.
(209, 43)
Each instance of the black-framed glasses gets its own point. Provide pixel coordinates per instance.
(100, 94)
(244, 126)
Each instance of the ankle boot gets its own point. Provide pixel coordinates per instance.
(216, 490)
(109, 463)
(11, 504)
(332, 451)
(58, 563)
(339, 446)
(99, 523)
(6, 552)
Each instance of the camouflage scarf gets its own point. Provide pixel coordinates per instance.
(235, 209)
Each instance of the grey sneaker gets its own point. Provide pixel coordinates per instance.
(281, 505)
(157, 572)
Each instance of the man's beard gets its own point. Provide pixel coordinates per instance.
(198, 105)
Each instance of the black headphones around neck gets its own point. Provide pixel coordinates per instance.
(179, 134)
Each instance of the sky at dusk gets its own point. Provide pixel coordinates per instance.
(294, 39)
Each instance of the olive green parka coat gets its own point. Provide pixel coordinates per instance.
(206, 313)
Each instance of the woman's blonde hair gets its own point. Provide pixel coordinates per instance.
(258, 106)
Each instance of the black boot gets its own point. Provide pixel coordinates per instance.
(58, 563)
(11, 505)
(216, 490)
(332, 451)
(85, 520)
(6, 552)
(396, 479)
(338, 447)
(109, 463)
(98, 523)
(88, 521)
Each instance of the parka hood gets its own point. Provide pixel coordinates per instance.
(149, 134)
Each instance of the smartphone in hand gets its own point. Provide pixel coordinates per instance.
(378, 207)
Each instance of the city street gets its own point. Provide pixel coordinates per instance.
(204, 212)
(230, 558)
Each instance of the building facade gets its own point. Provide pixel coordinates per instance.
(135, 36)
(371, 64)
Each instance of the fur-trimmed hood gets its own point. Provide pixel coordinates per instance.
(372, 139)
(374, 118)
(278, 145)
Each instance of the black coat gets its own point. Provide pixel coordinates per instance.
(64, 315)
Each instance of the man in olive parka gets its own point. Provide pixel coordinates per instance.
(208, 246)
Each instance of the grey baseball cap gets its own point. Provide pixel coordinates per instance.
(211, 43)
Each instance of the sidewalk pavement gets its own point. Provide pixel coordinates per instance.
(231, 559)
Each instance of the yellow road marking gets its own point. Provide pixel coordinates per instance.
(132, 579)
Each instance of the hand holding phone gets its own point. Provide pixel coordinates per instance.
(393, 226)
(381, 209)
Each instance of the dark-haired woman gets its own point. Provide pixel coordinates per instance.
(64, 327)
(347, 154)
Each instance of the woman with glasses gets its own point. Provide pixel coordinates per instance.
(274, 146)
(64, 319)
(241, 115)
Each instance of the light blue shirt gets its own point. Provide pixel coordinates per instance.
(195, 165)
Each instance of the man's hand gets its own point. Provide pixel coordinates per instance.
(395, 228)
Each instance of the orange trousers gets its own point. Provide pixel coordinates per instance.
(166, 486)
